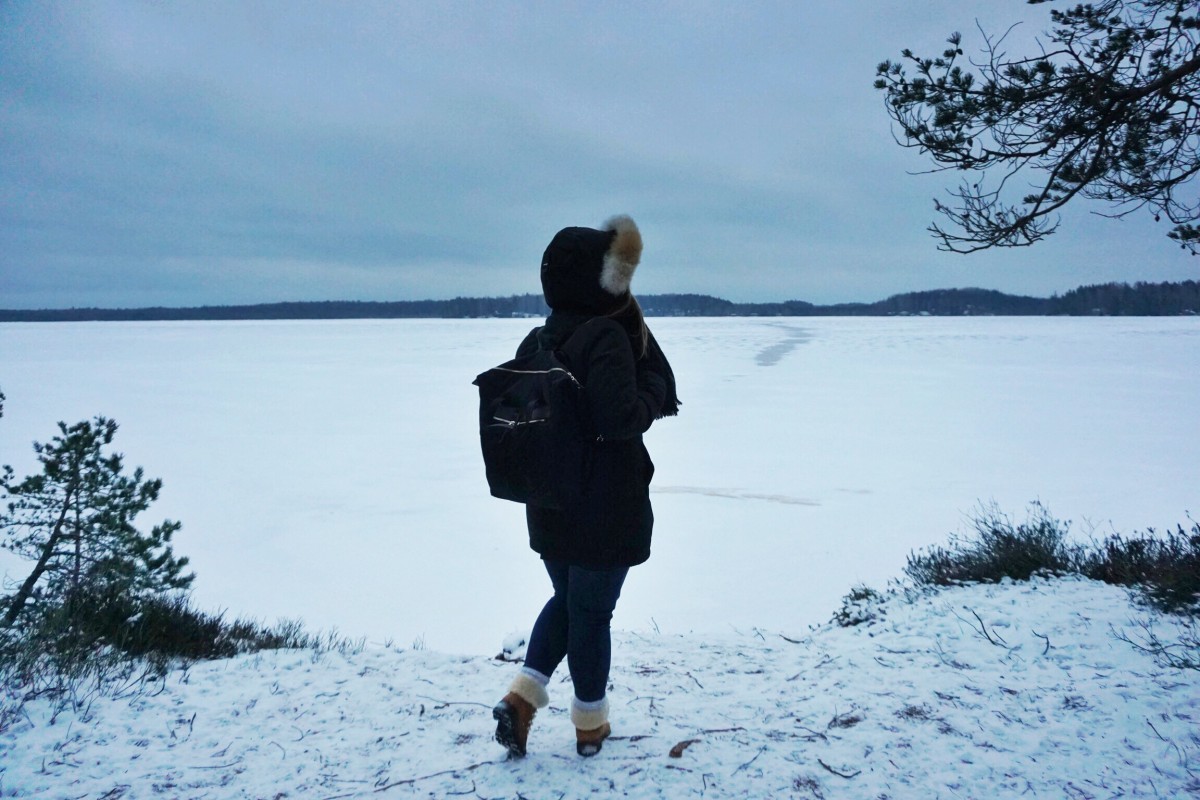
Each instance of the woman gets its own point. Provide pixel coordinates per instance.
(597, 327)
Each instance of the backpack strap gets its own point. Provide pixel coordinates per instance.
(558, 349)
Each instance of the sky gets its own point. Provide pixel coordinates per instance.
(201, 153)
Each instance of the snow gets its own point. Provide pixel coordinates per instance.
(917, 703)
(330, 471)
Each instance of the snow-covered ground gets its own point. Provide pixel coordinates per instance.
(330, 470)
(1019, 690)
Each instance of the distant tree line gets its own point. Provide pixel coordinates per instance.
(459, 307)
(1141, 299)
(1111, 299)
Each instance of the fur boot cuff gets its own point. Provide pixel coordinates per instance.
(530, 691)
(589, 716)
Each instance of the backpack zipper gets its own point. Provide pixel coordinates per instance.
(566, 372)
(512, 423)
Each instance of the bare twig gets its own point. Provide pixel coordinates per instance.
(233, 763)
(445, 703)
(813, 734)
(1184, 654)
(761, 750)
(949, 662)
(846, 775)
(411, 781)
(982, 630)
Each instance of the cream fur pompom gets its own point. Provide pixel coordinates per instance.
(623, 255)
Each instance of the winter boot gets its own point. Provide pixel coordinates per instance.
(591, 726)
(514, 714)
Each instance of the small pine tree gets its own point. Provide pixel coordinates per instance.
(75, 521)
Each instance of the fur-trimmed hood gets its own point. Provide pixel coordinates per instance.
(590, 270)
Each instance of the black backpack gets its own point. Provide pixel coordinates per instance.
(532, 430)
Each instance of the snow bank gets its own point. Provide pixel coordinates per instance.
(986, 691)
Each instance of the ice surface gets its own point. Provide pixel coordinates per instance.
(330, 470)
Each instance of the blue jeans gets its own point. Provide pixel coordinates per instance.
(575, 624)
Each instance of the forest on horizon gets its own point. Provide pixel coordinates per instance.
(1110, 299)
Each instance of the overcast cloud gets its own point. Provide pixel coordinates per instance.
(208, 153)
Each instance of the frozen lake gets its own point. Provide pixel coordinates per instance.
(330, 470)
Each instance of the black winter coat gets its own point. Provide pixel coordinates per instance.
(612, 523)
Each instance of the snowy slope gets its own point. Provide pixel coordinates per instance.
(917, 704)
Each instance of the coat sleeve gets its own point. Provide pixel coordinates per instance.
(622, 400)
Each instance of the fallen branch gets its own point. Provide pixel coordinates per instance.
(411, 781)
(949, 662)
(992, 637)
(677, 750)
(761, 750)
(233, 763)
(846, 775)
(812, 734)
(847, 720)
(444, 703)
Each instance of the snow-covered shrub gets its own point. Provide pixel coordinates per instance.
(120, 644)
(513, 647)
(1165, 568)
(862, 604)
(997, 549)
